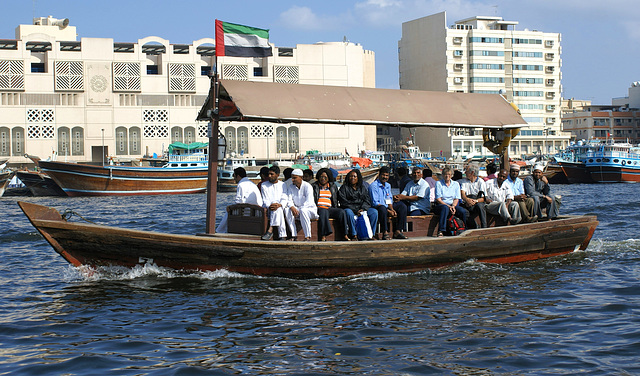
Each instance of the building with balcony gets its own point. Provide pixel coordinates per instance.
(70, 97)
(486, 55)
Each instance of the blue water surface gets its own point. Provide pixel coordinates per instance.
(567, 315)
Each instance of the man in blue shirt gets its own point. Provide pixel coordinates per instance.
(517, 187)
(415, 194)
(382, 201)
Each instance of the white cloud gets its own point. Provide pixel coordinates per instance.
(303, 18)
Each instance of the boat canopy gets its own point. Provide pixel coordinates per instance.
(191, 146)
(296, 103)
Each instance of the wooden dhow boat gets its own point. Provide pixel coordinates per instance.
(96, 245)
(183, 173)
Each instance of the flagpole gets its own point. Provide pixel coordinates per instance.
(212, 181)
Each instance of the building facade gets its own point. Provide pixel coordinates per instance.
(60, 95)
(486, 55)
(603, 122)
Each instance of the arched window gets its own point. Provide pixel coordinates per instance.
(281, 140)
(5, 142)
(189, 135)
(135, 146)
(243, 140)
(294, 140)
(64, 139)
(121, 141)
(17, 141)
(176, 134)
(230, 135)
(77, 141)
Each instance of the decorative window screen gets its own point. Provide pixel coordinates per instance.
(156, 131)
(5, 142)
(41, 123)
(69, 75)
(203, 130)
(293, 139)
(261, 131)
(126, 76)
(182, 77)
(287, 74)
(121, 141)
(17, 141)
(155, 116)
(12, 74)
(235, 72)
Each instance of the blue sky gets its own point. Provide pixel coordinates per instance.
(600, 39)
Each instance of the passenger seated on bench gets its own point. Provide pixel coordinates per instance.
(427, 175)
(448, 200)
(472, 190)
(300, 205)
(354, 198)
(499, 199)
(416, 194)
(325, 193)
(246, 193)
(382, 201)
(274, 198)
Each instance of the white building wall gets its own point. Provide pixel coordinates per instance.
(106, 100)
(486, 55)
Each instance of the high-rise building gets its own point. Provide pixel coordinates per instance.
(67, 96)
(486, 55)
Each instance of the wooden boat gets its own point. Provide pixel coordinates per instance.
(96, 245)
(183, 173)
(40, 184)
(5, 178)
(614, 163)
(91, 244)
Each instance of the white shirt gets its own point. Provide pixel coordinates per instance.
(301, 197)
(247, 193)
(273, 192)
(499, 194)
(472, 187)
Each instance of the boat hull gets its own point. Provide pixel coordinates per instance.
(614, 174)
(556, 175)
(95, 245)
(40, 184)
(576, 173)
(88, 180)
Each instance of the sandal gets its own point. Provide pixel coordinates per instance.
(386, 236)
(440, 234)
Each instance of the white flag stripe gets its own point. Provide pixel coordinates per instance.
(245, 40)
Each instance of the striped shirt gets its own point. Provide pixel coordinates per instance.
(324, 201)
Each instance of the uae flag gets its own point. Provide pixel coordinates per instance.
(241, 41)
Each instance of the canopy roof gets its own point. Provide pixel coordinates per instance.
(295, 103)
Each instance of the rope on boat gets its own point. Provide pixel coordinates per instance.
(68, 213)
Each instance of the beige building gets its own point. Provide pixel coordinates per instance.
(486, 55)
(67, 96)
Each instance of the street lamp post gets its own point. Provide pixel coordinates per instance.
(102, 145)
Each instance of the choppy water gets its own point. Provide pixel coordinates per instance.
(568, 315)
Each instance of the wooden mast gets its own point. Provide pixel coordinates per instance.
(212, 180)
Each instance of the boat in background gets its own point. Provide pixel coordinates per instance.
(614, 162)
(5, 178)
(571, 163)
(40, 184)
(185, 172)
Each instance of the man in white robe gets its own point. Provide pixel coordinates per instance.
(301, 204)
(246, 193)
(499, 199)
(274, 198)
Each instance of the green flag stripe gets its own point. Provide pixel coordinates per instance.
(230, 28)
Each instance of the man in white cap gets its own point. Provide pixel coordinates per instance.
(517, 187)
(536, 186)
(301, 204)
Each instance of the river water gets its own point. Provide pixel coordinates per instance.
(572, 314)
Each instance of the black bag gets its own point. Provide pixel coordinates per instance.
(455, 226)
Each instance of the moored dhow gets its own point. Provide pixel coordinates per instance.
(185, 172)
(614, 163)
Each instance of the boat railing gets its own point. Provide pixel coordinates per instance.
(188, 158)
